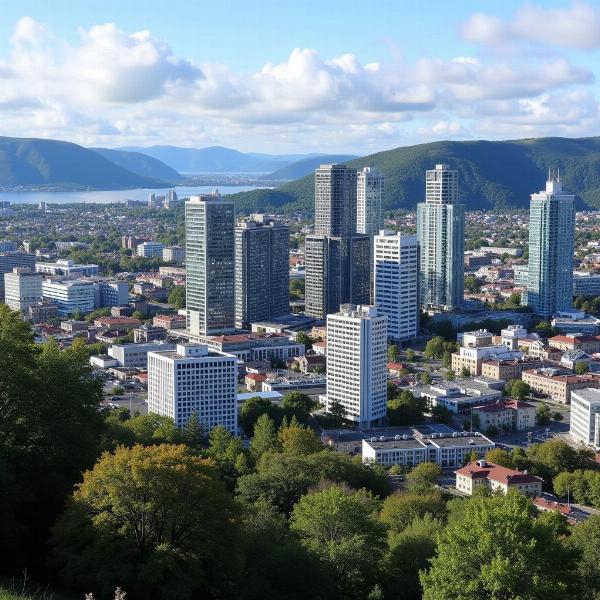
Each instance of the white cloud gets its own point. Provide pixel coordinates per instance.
(577, 26)
(115, 88)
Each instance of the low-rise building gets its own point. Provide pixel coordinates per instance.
(174, 254)
(150, 249)
(585, 416)
(250, 347)
(460, 396)
(117, 323)
(508, 369)
(169, 322)
(311, 363)
(136, 355)
(73, 326)
(148, 333)
(576, 341)
(586, 283)
(481, 473)
(558, 385)
(576, 321)
(472, 358)
(69, 295)
(67, 268)
(572, 358)
(42, 312)
(505, 415)
(410, 449)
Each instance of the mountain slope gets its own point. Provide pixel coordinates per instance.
(140, 164)
(217, 159)
(491, 174)
(39, 162)
(304, 167)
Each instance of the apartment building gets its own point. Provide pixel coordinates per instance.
(556, 385)
(505, 415)
(481, 473)
(585, 416)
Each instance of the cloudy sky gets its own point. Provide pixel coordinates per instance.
(302, 76)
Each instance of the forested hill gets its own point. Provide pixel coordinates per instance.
(39, 162)
(491, 174)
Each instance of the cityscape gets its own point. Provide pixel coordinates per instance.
(365, 372)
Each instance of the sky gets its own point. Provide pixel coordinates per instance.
(298, 76)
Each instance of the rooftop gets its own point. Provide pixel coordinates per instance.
(481, 469)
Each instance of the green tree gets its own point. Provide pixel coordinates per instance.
(193, 433)
(337, 413)
(500, 457)
(441, 414)
(339, 526)
(177, 297)
(393, 353)
(154, 520)
(423, 477)
(264, 438)
(298, 404)
(117, 390)
(472, 284)
(494, 548)
(449, 375)
(154, 429)
(406, 409)
(447, 360)
(400, 509)
(304, 338)
(464, 372)
(586, 539)
(410, 355)
(299, 440)
(253, 408)
(517, 388)
(554, 456)
(228, 452)
(425, 378)
(434, 348)
(581, 368)
(543, 415)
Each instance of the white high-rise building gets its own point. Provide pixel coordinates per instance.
(585, 416)
(440, 230)
(369, 193)
(193, 379)
(357, 362)
(396, 268)
(551, 246)
(22, 288)
(210, 264)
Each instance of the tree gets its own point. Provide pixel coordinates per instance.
(154, 429)
(472, 284)
(435, 348)
(543, 415)
(447, 360)
(339, 526)
(153, 520)
(410, 355)
(298, 404)
(117, 390)
(425, 378)
(193, 433)
(137, 314)
(555, 456)
(441, 414)
(393, 354)
(586, 539)
(494, 548)
(177, 297)
(228, 452)
(304, 338)
(392, 390)
(449, 375)
(517, 389)
(337, 413)
(50, 430)
(500, 457)
(581, 368)
(465, 372)
(557, 416)
(400, 509)
(423, 477)
(299, 440)
(405, 410)
(253, 408)
(264, 438)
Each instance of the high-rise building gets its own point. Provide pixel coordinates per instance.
(335, 201)
(150, 249)
(337, 259)
(585, 416)
(22, 288)
(8, 246)
(396, 270)
(10, 260)
(357, 363)
(337, 272)
(70, 296)
(210, 264)
(262, 273)
(369, 194)
(440, 231)
(194, 379)
(551, 244)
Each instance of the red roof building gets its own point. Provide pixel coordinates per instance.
(495, 477)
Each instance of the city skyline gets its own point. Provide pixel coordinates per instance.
(502, 70)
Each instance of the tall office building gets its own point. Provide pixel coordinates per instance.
(10, 260)
(262, 273)
(357, 363)
(22, 288)
(193, 379)
(440, 231)
(551, 244)
(210, 264)
(369, 194)
(337, 259)
(396, 269)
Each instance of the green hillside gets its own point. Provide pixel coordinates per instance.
(38, 162)
(141, 164)
(491, 174)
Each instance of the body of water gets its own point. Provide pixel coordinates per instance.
(111, 196)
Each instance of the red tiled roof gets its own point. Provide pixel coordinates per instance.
(496, 473)
(256, 377)
(545, 504)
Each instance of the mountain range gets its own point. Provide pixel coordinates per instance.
(491, 174)
(216, 159)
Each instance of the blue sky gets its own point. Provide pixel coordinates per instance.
(298, 76)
